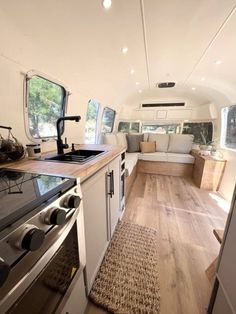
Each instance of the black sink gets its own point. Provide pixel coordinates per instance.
(78, 156)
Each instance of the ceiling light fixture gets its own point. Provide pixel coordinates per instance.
(218, 62)
(132, 71)
(203, 78)
(140, 91)
(124, 50)
(193, 88)
(137, 83)
(106, 4)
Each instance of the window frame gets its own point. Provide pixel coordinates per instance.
(29, 75)
(224, 119)
(97, 121)
(113, 123)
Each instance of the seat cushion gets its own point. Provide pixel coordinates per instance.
(121, 139)
(133, 141)
(180, 143)
(162, 141)
(109, 138)
(157, 156)
(180, 158)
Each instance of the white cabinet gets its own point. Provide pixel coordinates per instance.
(95, 223)
(101, 199)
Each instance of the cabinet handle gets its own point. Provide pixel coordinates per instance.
(111, 183)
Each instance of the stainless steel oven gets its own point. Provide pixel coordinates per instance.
(42, 250)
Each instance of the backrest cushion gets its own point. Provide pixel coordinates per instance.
(110, 139)
(133, 141)
(148, 147)
(121, 139)
(162, 141)
(180, 143)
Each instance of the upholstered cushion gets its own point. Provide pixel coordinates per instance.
(145, 137)
(180, 143)
(157, 156)
(180, 158)
(133, 141)
(148, 147)
(162, 141)
(110, 139)
(121, 139)
(131, 160)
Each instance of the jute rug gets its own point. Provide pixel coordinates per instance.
(127, 281)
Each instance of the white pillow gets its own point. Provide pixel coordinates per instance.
(180, 143)
(121, 139)
(110, 139)
(162, 141)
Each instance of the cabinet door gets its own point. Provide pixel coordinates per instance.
(95, 223)
(114, 199)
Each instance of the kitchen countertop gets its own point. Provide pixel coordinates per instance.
(83, 171)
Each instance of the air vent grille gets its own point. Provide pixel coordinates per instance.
(165, 84)
(168, 104)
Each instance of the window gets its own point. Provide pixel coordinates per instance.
(228, 139)
(108, 118)
(45, 104)
(129, 127)
(162, 128)
(202, 131)
(91, 122)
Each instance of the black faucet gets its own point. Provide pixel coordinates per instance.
(60, 144)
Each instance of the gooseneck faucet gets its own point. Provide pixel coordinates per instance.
(60, 144)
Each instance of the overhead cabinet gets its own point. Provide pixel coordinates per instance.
(101, 199)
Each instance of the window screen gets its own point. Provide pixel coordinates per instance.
(229, 127)
(45, 104)
(91, 122)
(108, 118)
(202, 131)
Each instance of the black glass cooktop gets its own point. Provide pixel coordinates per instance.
(22, 192)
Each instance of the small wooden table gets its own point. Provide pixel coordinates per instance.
(208, 171)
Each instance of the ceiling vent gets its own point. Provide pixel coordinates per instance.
(167, 104)
(165, 84)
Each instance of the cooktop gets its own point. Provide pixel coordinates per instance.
(22, 192)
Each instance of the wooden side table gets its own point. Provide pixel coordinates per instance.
(208, 171)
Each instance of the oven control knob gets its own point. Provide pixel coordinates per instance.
(71, 201)
(56, 216)
(33, 239)
(4, 271)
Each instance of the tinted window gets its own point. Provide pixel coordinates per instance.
(229, 127)
(91, 122)
(162, 128)
(108, 118)
(45, 103)
(202, 131)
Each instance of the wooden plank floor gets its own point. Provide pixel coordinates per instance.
(185, 217)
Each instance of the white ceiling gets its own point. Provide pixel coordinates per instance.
(79, 43)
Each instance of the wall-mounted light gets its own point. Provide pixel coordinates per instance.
(106, 4)
(124, 50)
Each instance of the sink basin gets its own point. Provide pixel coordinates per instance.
(80, 156)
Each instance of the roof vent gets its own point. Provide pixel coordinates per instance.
(165, 84)
(170, 104)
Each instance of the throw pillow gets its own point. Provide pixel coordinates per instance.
(133, 141)
(148, 147)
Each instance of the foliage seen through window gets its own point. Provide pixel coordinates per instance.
(108, 118)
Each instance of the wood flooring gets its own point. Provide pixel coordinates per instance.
(185, 217)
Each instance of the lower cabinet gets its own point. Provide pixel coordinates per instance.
(101, 200)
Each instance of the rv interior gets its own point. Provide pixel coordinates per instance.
(117, 156)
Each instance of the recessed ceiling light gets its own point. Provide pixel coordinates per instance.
(218, 62)
(132, 71)
(193, 88)
(124, 49)
(106, 4)
(203, 78)
(137, 83)
(140, 91)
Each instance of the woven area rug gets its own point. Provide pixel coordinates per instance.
(127, 281)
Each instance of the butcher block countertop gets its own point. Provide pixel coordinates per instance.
(69, 169)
